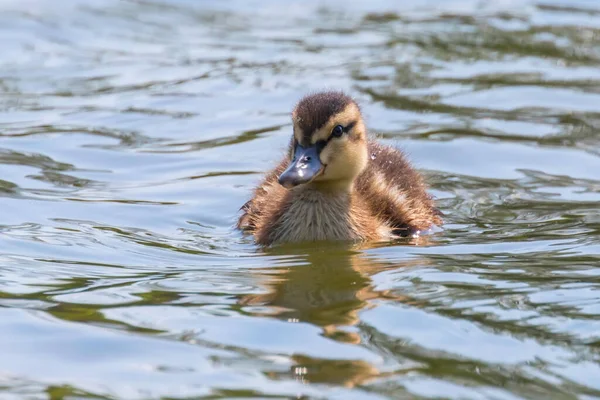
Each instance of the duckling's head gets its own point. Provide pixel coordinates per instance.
(329, 146)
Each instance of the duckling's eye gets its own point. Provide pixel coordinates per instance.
(337, 131)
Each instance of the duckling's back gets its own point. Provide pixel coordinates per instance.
(396, 192)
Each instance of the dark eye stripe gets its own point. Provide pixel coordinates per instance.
(348, 127)
(322, 143)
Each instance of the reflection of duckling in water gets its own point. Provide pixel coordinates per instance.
(328, 288)
(337, 184)
(328, 292)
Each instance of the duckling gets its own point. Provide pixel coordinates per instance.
(337, 183)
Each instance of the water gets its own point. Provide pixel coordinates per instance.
(132, 131)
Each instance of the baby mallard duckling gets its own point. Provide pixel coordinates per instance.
(336, 183)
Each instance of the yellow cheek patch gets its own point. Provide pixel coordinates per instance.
(334, 150)
(326, 154)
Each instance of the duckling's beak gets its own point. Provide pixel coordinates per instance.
(304, 167)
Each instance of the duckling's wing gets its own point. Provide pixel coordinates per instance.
(396, 192)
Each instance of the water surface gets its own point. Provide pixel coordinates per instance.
(132, 131)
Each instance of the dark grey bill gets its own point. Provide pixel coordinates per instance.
(303, 168)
